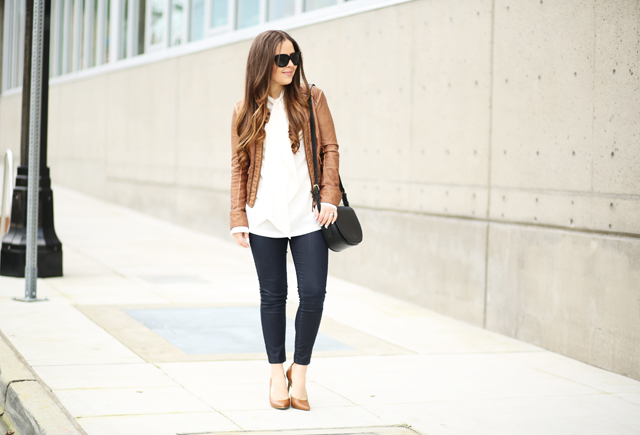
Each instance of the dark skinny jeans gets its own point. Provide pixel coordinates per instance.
(311, 258)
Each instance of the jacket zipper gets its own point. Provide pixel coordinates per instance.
(313, 170)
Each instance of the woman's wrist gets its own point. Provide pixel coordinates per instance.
(235, 230)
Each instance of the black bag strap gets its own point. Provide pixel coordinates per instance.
(316, 186)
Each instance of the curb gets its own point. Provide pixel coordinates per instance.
(27, 404)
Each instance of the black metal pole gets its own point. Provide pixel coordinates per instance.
(14, 243)
(44, 110)
(26, 84)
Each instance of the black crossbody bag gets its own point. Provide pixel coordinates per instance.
(346, 230)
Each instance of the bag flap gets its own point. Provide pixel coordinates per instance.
(349, 225)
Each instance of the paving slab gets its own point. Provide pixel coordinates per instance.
(157, 424)
(239, 397)
(591, 414)
(91, 376)
(154, 329)
(373, 430)
(26, 403)
(92, 402)
(327, 417)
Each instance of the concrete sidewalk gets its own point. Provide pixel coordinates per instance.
(154, 330)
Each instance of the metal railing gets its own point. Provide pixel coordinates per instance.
(7, 192)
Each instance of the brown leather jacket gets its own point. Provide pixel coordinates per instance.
(244, 182)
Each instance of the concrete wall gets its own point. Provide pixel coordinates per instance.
(491, 148)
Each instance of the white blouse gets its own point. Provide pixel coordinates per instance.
(283, 201)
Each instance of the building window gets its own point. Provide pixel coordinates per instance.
(94, 34)
(125, 31)
(219, 12)
(67, 37)
(88, 50)
(142, 7)
(176, 29)
(311, 5)
(248, 13)
(157, 15)
(281, 9)
(129, 29)
(13, 53)
(107, 29)
(77, 41)
(197, 20)
(57, 28)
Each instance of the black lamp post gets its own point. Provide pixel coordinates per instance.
(14, 243)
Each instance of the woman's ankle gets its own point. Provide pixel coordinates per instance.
(299, 371)
(277, 370)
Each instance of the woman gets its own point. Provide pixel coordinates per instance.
(271, 202)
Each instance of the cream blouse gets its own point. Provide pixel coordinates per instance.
(283, 201)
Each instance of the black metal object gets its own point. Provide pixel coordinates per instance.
(14, 243)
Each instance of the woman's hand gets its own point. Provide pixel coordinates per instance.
(241, 239)
(327, 215)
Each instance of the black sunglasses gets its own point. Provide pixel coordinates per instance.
(282, 60)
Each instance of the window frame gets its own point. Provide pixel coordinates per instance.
(129, 44)
(186, 30)
(101, 33)
(164, 42)
(88, 39)
(18, 54)
(7, 49)
(66, 37)
(78, 33)
(56, 37)
(231, 18)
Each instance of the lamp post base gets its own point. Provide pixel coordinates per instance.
(13, 256)
(30, 299)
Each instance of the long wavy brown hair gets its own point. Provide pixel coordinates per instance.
(253, 112)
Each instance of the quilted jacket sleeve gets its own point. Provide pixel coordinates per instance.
(238, 181)
(329, 175)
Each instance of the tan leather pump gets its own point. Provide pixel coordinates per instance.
(278, 403)
(302, 404)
